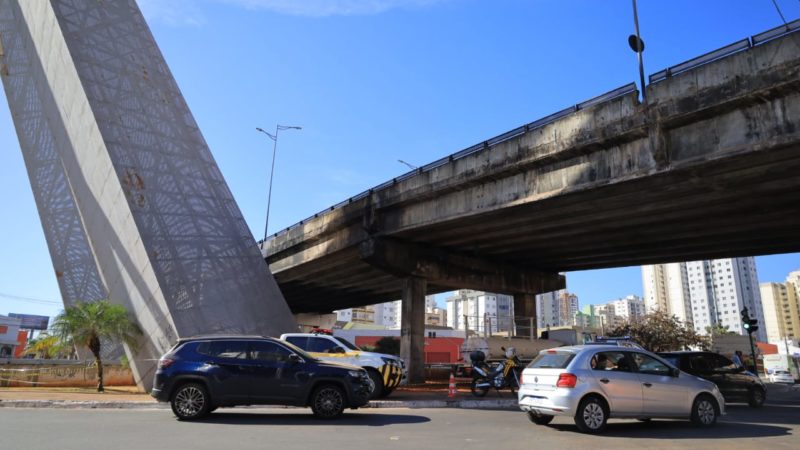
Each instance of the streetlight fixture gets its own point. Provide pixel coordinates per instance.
(410, 166)
(274, 137)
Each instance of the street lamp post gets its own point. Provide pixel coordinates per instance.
(637, 44)
(274, 137)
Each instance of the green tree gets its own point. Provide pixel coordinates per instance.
(88, 324)
(388, 345)
(718, 329)
(660, 332)
(45, 347)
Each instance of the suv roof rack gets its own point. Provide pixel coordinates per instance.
(221, 336)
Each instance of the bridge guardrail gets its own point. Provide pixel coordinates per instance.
(662, 75)
(725, 51)
(623, 90)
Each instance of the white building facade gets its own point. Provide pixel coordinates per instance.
(717, 291)
(666, 288)
(480, 311)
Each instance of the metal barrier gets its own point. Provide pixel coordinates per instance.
(662, 75)
(726, 51)
(485, 145)
(505, 325)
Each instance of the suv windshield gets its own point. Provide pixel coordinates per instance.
(347, 343)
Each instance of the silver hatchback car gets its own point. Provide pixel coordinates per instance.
(593, 383)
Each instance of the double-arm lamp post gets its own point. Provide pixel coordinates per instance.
(274, 137)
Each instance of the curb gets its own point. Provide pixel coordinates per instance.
(375, 404)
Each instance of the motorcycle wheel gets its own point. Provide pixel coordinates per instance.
(479, 391)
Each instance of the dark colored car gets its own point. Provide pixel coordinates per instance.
(735, 383)
(200, 374)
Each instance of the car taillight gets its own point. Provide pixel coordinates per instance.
(520, 379)
(567, 380)
(163, 363)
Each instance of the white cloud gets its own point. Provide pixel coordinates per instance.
(321, 8)
(189, 12)
(173, 12)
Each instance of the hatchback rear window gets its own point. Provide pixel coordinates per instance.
(557, 360)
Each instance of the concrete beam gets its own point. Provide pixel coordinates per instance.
(412, 328)
(458, 271)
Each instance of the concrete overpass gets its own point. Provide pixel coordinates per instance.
(708, 168)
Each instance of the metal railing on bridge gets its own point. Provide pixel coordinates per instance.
(662, 75)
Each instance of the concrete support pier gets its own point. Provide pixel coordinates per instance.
(525, 308)
(412, 328)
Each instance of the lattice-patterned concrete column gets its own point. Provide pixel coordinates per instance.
(107, 133)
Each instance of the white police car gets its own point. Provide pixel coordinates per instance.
(385, 371)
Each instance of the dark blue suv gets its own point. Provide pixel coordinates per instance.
(200, 374)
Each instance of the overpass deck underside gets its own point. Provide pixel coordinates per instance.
(714, 210)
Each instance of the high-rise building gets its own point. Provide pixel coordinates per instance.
(482, 311)
(666, 288)
(567, 308)
(617, 312)
(383, 314)
(547, 309)
(781, 303)
(707, 293)
(773, 297)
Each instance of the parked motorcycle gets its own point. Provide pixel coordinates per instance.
(506, 374)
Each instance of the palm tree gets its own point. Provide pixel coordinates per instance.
(46, 347)
(89, 323)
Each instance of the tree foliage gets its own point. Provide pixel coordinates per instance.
(49, 347)
(718, 330)
(660, 332)
(388, 345)
(87, 324)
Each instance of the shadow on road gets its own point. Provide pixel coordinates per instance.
(788, 414)
(369, 420)
(673, 429)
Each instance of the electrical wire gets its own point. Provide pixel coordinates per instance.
(30, 299)
(780, 13)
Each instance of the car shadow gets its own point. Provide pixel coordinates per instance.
(355, 419)
(681, 429)
(787, 414)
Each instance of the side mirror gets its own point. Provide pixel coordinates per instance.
(337, 350)
(675, 372)
(294, 358)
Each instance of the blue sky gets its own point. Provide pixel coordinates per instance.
(374, 81)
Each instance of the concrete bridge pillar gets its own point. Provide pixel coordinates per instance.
(524, 311)
(412, 328)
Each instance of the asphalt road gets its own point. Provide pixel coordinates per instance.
(775, 426)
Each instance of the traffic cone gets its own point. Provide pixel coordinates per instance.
(451, 390)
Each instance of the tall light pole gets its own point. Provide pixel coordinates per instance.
(274, 137)
(637, 44)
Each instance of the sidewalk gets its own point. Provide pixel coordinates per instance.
(123, 397)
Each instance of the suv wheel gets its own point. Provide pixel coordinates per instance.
(704, 411)
(328, 402)
(592, 415)
(539, 419)
(756, 398)
(377, 383)
(191, 401)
